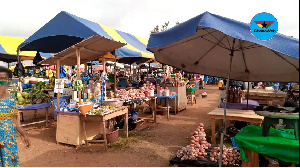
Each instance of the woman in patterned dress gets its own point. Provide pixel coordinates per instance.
(9, 124)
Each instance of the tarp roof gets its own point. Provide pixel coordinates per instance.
(65, 30)
(90, 49)
(8, 49)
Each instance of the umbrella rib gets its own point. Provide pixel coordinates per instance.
(241, 47)
(216, 44)
(228, 41)
(210, 33)
(286, 60)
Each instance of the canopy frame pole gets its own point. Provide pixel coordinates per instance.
(248, 94)
(115, 77)
(19, 82)
(225, 106)
(58, 77)
(103, 64)
(78, 71)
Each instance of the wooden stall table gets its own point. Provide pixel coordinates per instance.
(235, 115)
(77, 129)
(181, 100)
(102, 118)
(167, 98)
(267, 97)
(35, 107)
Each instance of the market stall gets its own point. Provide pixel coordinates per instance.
(76, 129)
(267, 97)
(91, 106)
(279, 144)
(232, 115)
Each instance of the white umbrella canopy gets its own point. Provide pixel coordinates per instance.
(213, 45)
(204, 45)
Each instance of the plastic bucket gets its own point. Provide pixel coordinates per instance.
(112, 135)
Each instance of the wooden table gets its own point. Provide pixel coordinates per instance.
(167, 98)
(235, 115)
(102, 119)
(73, 128)
(34, 107)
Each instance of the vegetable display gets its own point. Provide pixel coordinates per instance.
(199, 148)
(230, 156)
(35, 96)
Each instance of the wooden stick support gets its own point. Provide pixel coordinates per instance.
(58, 77)
(78, 71)
(115, 77)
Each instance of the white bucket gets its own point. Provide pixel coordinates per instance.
(151, 92)
(166, 93)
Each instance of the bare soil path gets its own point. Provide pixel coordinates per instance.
(148, 146)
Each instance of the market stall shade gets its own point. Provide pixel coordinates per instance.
(204, 43)
(65, 30)
(90, 49)
(214, 45)
(9, 45)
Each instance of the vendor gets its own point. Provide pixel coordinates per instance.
(221, 84)
(142, 82)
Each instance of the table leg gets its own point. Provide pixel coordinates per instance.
(175, 110)
(154, 110)
(104, 134)
(253, 159)
(47, 113)
(85, 136)
(35, 112)
(213, 131)
(168, 109)
(126, 124)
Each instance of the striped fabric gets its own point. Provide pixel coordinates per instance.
(9, 45)
(72, 29)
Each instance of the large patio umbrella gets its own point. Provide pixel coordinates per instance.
(214, 45)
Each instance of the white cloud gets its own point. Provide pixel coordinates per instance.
(21, 18)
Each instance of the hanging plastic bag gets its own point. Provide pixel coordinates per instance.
(19, 70)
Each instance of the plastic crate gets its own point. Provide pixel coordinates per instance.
(191, 89)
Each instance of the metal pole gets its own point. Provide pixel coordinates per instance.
(225, 106)
(115, 77)
(248, 94)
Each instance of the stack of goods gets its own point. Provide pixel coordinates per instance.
(197, 147)
(200, 149)
(235, 95)
(230, 156)
(130, 94)
(101, 110)
(36, 96)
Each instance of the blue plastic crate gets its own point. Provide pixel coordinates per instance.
(234, 144)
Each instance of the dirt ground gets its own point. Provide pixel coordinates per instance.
(149, 145)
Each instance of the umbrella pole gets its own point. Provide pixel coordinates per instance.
(225, 106)
(248, 94)
(115, 77)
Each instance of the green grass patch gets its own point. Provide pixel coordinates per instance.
(124, 142)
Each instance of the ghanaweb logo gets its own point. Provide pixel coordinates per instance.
(264, 26)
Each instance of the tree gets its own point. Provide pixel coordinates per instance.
(164, 27)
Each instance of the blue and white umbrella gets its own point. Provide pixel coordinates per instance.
(217, 46)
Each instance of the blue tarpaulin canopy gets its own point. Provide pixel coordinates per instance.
(65, 30)
(203, 45)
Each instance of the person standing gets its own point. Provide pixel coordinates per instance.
(9, 124)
